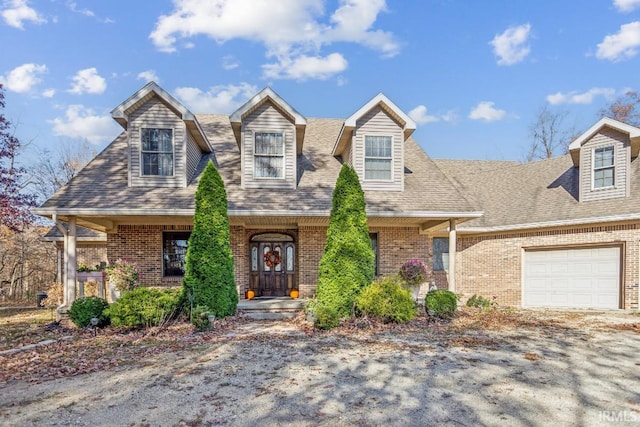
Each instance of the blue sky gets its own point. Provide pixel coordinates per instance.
(473, 74)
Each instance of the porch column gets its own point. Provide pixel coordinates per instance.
(452, 254)
(71, 263)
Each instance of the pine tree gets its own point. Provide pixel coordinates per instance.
(209, 277)
(347, 264)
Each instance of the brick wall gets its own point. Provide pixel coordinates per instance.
(492, 265)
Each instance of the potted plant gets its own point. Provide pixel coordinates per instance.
(414, 273)
(121, 276)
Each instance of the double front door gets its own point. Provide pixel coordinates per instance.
(272, 262)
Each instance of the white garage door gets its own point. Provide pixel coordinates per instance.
(575, 278)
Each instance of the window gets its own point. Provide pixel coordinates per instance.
(603, 169)
(157, 152)
(174, 251)
(374, 246)
(269, 155)
(377, 157)
(440, 254)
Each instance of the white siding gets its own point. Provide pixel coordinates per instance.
(193, 156)
(622, 157)
(378, 122)
(155, 114)
(266, 118)
(347, 154)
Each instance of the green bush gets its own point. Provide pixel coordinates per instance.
(479, 301)
(143, 307)
(347, 263)
(84, 309)
(441, 303)
(200, 318)
(209, 277)
(387, 300)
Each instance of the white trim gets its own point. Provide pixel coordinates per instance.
(605, 121)
(267, 92)
(189, 212)
(560, 223)
(409, 124)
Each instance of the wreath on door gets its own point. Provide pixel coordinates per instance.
(272, 259)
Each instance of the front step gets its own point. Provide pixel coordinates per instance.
(271, 308)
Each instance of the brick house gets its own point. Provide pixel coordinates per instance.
(525, 233)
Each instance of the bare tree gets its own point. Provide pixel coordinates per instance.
(549, 135)
(624, 108)
(53, 171)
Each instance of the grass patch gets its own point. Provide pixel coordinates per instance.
(19, 326)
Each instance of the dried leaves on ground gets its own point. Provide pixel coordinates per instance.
(77, 351)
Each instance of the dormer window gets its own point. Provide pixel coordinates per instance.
(269, 155)
(603, 167)
(377, 157)
(157, 152)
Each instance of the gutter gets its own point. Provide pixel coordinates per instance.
(547, 224)
(243, 213)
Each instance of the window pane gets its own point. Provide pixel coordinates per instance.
(174, 252)
(377, 146)
(377, 169)
(289, 257)
(440, 253)
(149, 164)
(603, 157)
(603, 178)
(165, 164)
(269, 144)
(157, 151)
(254, 258)
(269, 167)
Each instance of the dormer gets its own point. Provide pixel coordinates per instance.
(270, 134)
(603, 155)
(372, 142)
(165, 140)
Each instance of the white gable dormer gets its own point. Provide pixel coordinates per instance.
(165, 140)
(603, 155)
(270, 134)
(372, 142)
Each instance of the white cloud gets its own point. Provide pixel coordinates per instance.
(510, 47)
(23, 78)
(626, 5)
(80, 122)
(16, 12)
(580, 98)
(621, 45)
(421, 116)
(148, 76)
(88, 81)
(229, 62)
(218, 99)
(48, 93)
(306, 67)
(486, 112)
(292, 32)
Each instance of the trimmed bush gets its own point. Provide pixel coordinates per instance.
(84, 309)
(200, 318)
(144, 307)
(347, 263)
(441, 303)
(387, 300)
(208, 278)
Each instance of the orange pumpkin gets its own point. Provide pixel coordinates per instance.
(294, 294)
(250, 294)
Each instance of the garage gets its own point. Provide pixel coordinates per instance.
(572, 278)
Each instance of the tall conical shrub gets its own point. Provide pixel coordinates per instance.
(209, 279)
(347, 264)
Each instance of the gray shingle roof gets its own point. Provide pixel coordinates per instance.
(545, 191)
(102, 184)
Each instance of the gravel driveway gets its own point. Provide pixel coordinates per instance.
(577, 369)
